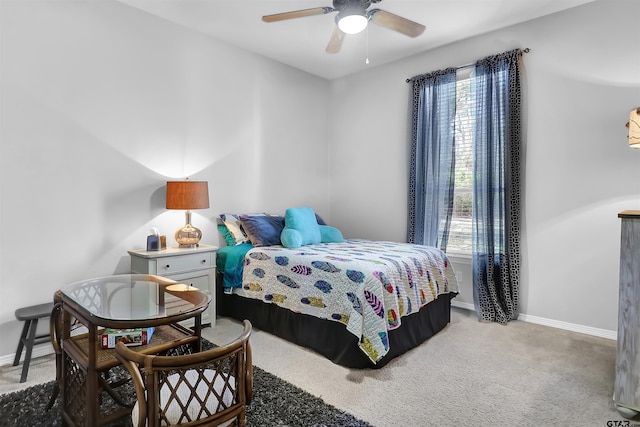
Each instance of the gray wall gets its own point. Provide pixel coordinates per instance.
(581, 80)
(101, 105)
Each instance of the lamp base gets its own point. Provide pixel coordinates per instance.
(188, 236)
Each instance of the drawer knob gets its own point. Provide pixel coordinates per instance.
(204, 261)
(167, 266)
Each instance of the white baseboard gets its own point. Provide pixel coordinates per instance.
(464, 305)
(588, 330)
(38, 351)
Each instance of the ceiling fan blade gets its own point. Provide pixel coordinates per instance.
(297, 14)
(335, 43)
(396, 23)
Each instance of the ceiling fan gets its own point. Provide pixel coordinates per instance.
(352, 18)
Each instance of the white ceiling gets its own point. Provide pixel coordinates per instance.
(301, 42)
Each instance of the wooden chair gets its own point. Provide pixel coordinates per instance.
(211, 387)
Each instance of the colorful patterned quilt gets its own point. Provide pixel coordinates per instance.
(367, 285)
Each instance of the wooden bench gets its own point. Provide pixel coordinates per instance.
(30, 316)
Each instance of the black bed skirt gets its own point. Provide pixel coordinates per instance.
(330, 338)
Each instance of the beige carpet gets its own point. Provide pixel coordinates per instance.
(470, 374)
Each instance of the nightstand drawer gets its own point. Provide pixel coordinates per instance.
(177, 264)
(201, 282)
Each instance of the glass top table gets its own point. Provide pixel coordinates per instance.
(135, 300)
(119, 302)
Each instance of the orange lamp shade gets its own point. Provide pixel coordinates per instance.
(187, 195)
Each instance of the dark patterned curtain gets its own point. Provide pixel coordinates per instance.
(495, 87)
(431, 176)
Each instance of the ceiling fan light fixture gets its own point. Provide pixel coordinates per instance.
(352, 17)
(352, 22)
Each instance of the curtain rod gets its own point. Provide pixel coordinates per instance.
(525, 50)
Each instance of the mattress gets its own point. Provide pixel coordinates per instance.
(370, 287)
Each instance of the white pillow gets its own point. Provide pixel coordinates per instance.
(232, 224)
(174, 412)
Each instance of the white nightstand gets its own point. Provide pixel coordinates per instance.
(192, 266)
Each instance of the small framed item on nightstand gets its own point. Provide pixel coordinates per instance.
(156, 242)
(153, 243)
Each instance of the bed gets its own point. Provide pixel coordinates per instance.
(360, 303)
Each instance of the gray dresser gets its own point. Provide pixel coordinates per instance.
(626, 393)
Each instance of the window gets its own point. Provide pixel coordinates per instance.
(471, 208)
(460, 229)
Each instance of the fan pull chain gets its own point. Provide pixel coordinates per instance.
(367, 60)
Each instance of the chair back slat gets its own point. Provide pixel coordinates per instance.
(211, 387)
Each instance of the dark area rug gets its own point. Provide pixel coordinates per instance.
(275, 403)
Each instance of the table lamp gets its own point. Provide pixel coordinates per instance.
(187, 195)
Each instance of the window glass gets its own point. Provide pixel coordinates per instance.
(460, 231)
